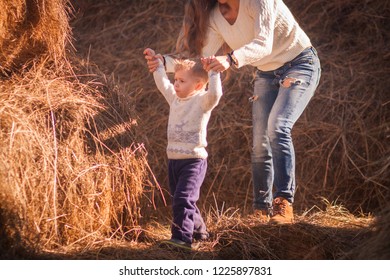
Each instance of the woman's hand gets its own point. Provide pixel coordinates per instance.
(152, 59)
(216, 63)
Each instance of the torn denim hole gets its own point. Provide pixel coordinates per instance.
(288, 82)
(253, 98)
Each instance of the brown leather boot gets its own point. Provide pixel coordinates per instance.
(282, 212)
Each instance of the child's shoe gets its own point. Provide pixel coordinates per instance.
(178, 244)
(201, 236)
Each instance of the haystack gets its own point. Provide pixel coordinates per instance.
(71, 171)
(31, 29)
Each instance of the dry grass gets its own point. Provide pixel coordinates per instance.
(78, 141)
(30, 29)
(329, 234)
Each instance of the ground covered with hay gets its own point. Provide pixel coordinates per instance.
(82, 150)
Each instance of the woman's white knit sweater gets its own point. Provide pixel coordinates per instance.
(264, 35)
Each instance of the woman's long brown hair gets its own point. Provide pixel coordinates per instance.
(194, 29)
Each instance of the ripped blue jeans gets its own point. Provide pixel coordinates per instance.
(280, 97)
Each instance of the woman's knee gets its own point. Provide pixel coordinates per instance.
(279, 131)
(261, 148)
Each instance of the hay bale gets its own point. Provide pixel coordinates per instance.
(60, 174)
(71, 171)
(30, 29)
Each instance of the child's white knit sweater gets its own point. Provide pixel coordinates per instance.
(188, 117)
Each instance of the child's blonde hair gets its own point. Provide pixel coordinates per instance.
(196, 68)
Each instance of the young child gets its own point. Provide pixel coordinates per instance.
(190, 108)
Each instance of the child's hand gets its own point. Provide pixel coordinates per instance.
(206, 61)
(152, 59)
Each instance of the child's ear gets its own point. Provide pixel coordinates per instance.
(199, 85)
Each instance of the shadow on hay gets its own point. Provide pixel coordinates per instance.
(12, 244)
(112, 128)
(119, 138)
(301, 241)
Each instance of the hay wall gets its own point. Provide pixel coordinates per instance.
(71, 172)
(341, 140)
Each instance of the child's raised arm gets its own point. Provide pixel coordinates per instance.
(152, 59)
(155, 64)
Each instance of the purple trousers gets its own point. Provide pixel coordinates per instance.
(185, 179)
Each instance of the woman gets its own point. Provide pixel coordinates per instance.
(264, 34)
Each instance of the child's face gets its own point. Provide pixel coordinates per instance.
(185, 84)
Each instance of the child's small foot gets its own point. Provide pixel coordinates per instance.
(201, 236)
(174, 243)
